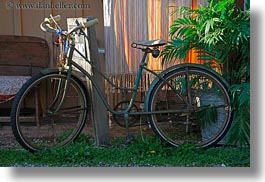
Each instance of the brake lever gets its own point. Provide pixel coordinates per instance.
(79, 32)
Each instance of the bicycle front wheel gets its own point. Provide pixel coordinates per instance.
(191, 105)
(48, 112)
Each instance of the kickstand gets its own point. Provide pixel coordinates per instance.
(129, 137)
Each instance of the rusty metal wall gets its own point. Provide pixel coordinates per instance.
(126, 21)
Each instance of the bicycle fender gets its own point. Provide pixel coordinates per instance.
(179, 67)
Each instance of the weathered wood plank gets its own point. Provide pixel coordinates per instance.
(26, 70)
(100, 120)
(23, 50)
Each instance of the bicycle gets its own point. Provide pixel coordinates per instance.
(184, 103)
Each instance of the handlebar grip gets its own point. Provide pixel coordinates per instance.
(56, 18)
(52, 19)
(91, 23)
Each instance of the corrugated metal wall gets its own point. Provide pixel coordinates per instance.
(126, 21)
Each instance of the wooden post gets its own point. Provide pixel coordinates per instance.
(99, 112)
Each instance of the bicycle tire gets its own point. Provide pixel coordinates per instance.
(35, 124)
(201, 104)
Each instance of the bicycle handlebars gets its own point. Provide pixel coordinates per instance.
(53, 18)
(46, 25)
(87, 24)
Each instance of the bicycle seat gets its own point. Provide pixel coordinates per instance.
(149, 43)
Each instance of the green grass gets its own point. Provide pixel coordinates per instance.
(150, 152)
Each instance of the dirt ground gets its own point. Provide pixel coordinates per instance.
(7, 138)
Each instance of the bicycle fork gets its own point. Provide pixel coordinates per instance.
(62, 88)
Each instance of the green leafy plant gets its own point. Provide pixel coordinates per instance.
(220, 35)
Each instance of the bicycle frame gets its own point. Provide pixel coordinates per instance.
(142, 67)
(185, 103)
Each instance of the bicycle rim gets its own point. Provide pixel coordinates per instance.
(35, 125)
(201, 106)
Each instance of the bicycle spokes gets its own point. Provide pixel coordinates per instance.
(200, 118)
(36, 126)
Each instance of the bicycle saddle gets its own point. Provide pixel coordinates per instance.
(149, 43)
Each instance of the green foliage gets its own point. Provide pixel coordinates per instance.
(220, 30)
(220, 33)
(206, 117)
(151, 152)
(240, 132)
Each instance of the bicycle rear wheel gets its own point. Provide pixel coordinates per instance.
(192, 106)
(35, 122)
